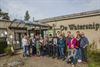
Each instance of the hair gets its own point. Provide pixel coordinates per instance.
(69, 32)
(77, 31)
(25, 34)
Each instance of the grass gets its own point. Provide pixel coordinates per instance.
(94, 59)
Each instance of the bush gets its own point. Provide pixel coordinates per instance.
(3, 45)
(93, 56)
(8, 50)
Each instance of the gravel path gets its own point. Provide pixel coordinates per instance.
(37, 61)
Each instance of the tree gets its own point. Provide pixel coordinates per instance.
(6, 17)
(27, 16)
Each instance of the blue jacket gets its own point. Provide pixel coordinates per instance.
(61, 43)
(83, 41)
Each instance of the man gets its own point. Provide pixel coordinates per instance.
(33, 41)
(55, 46)
(83, 45)
(50, 45)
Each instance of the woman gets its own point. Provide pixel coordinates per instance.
(25, 45)
(72, 50)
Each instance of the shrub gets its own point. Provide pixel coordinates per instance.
(93, 56)
(3, 45)
(8, 50)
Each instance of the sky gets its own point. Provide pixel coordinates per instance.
(41, 9)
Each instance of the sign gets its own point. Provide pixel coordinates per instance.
(94, 26)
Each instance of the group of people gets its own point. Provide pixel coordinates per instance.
(71, 48)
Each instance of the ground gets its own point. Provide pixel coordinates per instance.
(35, 61)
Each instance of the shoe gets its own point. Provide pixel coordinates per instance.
(79, 61)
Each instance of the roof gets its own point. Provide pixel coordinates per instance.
(71, 16)
(18, 22)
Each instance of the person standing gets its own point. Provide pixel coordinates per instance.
(78, 49)
(50, 47)
(55, 46)
(72, 51)
(45, 47)
(37, 44)
(29, 45)
(68, 40)
(38, 48)
(25, 45)
(61, 45)
(33, 41)
(83, 45)
(41, 46)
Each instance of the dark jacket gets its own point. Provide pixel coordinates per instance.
(83, 41)
(61, 42)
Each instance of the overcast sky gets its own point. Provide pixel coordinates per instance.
(41, 9)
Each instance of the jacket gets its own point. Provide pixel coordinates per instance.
(84, 41)
(61, 43)
(72, 42)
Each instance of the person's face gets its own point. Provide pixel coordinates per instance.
(61, 37)
(78, 36)
(68, 33)
(82, 35)
(78, 32)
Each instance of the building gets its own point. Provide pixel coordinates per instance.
(14, 30)
(87, 22)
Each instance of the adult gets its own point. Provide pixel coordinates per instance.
(25, 45)
(33, 41)
(68, 40)
(41, 46)
(55, 46)
(45, 47)
(61, 45)
(50, 46)
(78, 49)
(83, 45)
(72, 50)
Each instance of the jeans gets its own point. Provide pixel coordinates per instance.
(61, 52)
(33, 50)
(54, 50)
(71, 56)
(50, 50)
(84, 54)
(78, 54)
(25, 50)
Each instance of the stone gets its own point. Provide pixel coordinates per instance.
(13, 64)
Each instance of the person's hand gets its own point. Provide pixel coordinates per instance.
(72, 46)
(84, 46)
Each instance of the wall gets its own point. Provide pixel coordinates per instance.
(92, 34)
